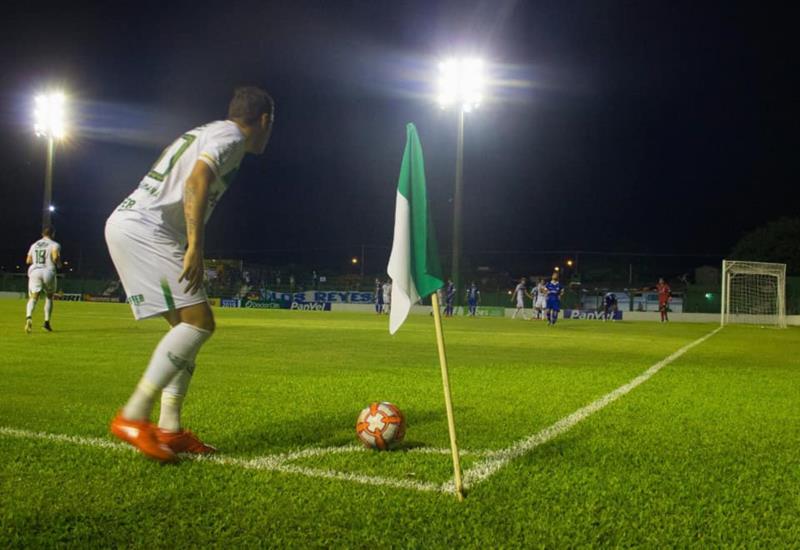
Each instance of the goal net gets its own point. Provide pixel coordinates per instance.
(754, 293)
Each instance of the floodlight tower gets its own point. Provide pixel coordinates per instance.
(461, 85)
(48, 116)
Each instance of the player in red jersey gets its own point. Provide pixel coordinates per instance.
(664, 295)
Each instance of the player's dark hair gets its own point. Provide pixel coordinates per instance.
(249, 103)
(48, 230)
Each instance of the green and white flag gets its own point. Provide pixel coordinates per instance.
(414, 263)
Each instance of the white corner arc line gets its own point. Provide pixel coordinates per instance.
(486, 468)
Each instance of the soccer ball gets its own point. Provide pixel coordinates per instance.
(380, 426)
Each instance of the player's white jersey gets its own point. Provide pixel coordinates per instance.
(41, 253)
(519, 294)
(541, 296)
(387, 293)
(158, 201)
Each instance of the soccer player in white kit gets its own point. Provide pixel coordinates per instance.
(44, 256)
(540, 303)
(519, 296)
(387, 296)
(155, 238)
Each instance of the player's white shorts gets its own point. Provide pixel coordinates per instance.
(520, 301)
(541, 302)
(41, 279)
(149, 264)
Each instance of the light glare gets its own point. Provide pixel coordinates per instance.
(48, 115)
(461, 83)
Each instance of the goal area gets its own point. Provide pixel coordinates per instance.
(753, 293)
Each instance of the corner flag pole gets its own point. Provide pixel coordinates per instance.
(448, 400)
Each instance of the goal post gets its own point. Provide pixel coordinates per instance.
(753, 293)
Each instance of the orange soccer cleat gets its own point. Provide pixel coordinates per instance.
(142, 435)
(184, 441)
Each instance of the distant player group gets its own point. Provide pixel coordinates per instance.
(383, 297)
(447, 298)
(546, 298)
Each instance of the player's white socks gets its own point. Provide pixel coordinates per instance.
(175, 352)
(31, 305)
(48, 309)
(172, 401)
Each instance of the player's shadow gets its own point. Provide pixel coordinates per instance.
(310, 431)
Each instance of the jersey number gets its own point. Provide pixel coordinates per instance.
(163, 166)
(41, 255)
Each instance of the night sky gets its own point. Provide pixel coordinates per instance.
(664, 127)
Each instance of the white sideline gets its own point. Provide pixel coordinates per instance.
(492, 463)
(486, 468)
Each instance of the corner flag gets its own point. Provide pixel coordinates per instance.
(414, 263)
(415, 270)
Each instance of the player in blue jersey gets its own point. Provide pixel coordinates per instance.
(473, 298)
(609, 306)
(378, 296)
(554, 292)
(449, 298)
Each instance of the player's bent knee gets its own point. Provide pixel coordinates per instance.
(199, 315)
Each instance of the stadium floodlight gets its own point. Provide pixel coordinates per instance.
(570, 263)
(48, 114)
(461, 85)
(354, 260)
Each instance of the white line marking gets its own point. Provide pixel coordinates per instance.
(61, 438)
(277, 463)
(488, 467)
(492, 463)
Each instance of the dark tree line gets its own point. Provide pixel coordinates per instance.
(778, 241)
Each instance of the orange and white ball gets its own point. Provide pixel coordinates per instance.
(380, 426)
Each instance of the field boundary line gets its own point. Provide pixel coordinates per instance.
(483, 470)
(279, 462)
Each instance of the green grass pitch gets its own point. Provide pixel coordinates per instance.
(704, 453)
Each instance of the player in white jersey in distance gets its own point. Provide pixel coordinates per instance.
(519, 296)
(387, 296)
(44, 258)
(540, 300)
(155, 238)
